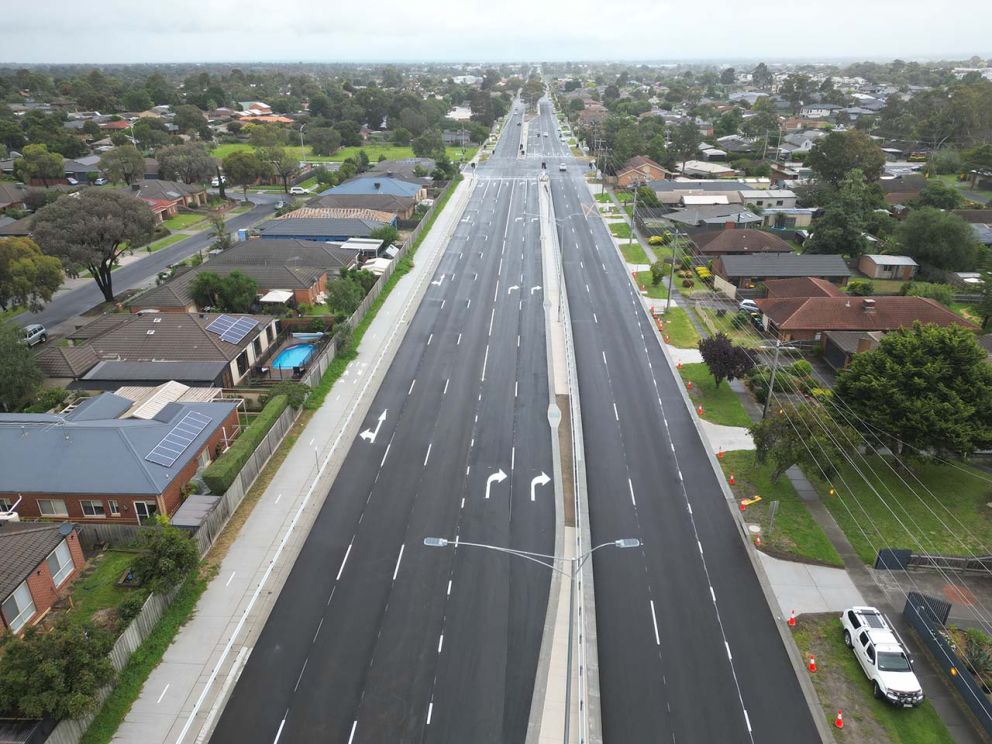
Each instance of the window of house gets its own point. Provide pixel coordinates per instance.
(52, 508)
(93, 508)
(270, 333)
(60, 563)
(242, 361)
(205, 457)
(18, 608)
(115, 509)
(145, 509)
(6, 505)
(778, 203)
(257, 346)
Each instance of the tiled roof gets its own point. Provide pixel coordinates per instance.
(305, 227)
(339, 213)
(23, 546)
(66, 361)
(801, 287)
(740, 241)
(850, 314)
(784, 265)
(382, 202)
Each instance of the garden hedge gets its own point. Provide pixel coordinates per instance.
(220, 474)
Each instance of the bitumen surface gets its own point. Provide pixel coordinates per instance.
(688, 648)
(375, 637)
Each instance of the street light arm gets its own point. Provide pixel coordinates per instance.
(518, 553)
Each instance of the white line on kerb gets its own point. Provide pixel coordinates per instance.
(654, 619)
(700, 547)
(398, 559)
(164, 690)
(340, 570)
(279, 732)
(428, 455)
(230, 578)
(445, 391)
(412, 383)
(631, 486)
(729, 655)
(747, 720)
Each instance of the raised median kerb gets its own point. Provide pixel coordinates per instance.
(181, 700)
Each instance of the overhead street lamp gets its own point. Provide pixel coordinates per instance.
(549, 561)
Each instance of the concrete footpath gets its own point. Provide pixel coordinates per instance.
(183, 696)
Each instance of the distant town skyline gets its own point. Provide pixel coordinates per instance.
(184, 31)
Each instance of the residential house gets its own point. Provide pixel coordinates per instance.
(372, 215)
(839, 347)
(902, 189)
(766, 198)
(804, 286)
(16, 228)
(255, 108)
(639, 170)
(109, 460)
(818, 110)
(746, 271)
(713, 216)
(876, 266)
(808, 318)
(405, 169)
(403, 207)
(189, 195)
(376, 185)
(456, 138)
(783, 218)
(80, 168)
(704, 169)
(174, 337)
(673, 192)
(326, 229)
(712, 243)
(38, 562)
(12, 195)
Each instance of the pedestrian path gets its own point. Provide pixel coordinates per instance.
(805, 588)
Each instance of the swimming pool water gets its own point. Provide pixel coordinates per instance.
(293, 356)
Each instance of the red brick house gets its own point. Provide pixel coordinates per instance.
(38, 562)
(639, 170)
(711, 243)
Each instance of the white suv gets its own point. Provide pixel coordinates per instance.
(882, 657)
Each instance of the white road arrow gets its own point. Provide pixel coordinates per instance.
(437, 282)
(369, 435)
(535, 289)
(510, 289)
(498, 477)
(541, 480)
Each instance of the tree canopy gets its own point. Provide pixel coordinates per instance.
(234, 293)
(123, 164)
(801, 435)
(724, 360)
(244, 169)
(19, 372)
(938, 239)
(839, 153)
(28, 277)
(38, 164)
(189, 163)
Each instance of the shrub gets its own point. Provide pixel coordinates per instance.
(47, 399)
(860, 287)
(131, 606)
(942, 293)
(167, 557)
(221, 472)
(688, 283)
(295, 392)
(802, 368)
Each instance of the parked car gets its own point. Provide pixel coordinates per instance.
(748, 306)
(71, 181)
(882, 657)
(215, 182)
(101, 182)
(35, 333)
(298, 191)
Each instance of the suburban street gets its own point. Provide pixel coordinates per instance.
(68, 304)
(376, 637)
(688, 651)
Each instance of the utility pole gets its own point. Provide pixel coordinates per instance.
(633, 218)
(671, 271)
(771, 382)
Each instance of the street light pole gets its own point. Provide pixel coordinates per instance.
(671, 271)
(633, 218)
(302, 150)
(575, 566)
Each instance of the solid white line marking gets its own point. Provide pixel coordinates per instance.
(459, 341)
(445, 391)
(163, 693)
(615, 414)
(319, 626)
(492, 317)
(700, 547)
(384, 454)
(713, 594)
(729, 655)
(485, 361)
(440, 643)
(277, 498)
(631, 485)
(428, 455)
(353, 727)
(430, 712)
(298, 679)
(513, 456)
(689, 507)
(747, 720)
(230, 578)
(654, 619)
(340, 570)
(412, 383)
(429, 338)
(283, 723)
(398, 559)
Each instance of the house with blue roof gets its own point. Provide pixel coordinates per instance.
(375, 184)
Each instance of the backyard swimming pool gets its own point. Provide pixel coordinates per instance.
(293, 356)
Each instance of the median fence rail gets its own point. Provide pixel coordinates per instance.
(922, 615)
(71, 730)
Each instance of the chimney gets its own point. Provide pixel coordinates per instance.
(868, 304)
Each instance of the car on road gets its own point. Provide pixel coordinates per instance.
(882, 657)
(298, 191)
(562, 167)
(215, 182)
(35, 333)
(748, 306)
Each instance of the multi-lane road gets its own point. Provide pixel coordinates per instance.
(374, 637)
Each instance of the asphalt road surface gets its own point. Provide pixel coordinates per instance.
(138, 273)
(375, 637)
(688, 649)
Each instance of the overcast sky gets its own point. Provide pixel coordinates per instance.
(115, 31)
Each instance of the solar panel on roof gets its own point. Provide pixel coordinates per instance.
(182, 435)
(221, 324)
(232, 330)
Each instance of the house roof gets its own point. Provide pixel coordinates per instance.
(168, 191)
(698, 186)
(23, 546)
(11, 193)
(881, 260)
(381, 202)
(848, 341)
(639, 163)
(18, 227)
(339, 213)
(85, 440)
(329, 227)
(179, 291)
(804, 286)
(375, 185)
(849, 313)
(739, 241)
(66, 361)
(713, 214)
(155, 371)
(974, 215)
(773, 264)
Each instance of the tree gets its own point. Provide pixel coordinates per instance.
(324, 140)
(429, 145)
(244, 169)
(123, 164)
(646, 197)
(761, 76)
(797, 88)
(803, 435)
(55, 674)
(984, 305)
(940, 195)
(401, 137)
(191, 119)
(19, 372)
(150, 133)
(724, 360)
(189, 163)
(234, 293)
(222, 237)
(92, 230)
(727, 76)
(137, 99)
(387, 234)
(928, 387)
(938, 239)
(837, 154)
(841, 229)
(730, 122)
(658, 271)
(38, 164)
(265, 135)
(28, 277)
(167, 557)
(281, 162)
(344, 295)
(685, 141)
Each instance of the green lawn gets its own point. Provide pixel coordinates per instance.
(620, 230)
(624, 196)
(391, 152)
(633, 253)
(656, 292)
(952, 180)
(720, 404)
(841, 685)
(679, 329)
(886, 286)
(164, 242)
(12, 312)
(963, 490)
(722, 324)
(183, 221)
(794, 533)
(603, 198)
(98, 591)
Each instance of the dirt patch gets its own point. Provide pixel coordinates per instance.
(567, 471)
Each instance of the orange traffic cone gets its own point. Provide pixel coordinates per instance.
(667, 339)
(700, 410)
(812, 664)
(757, 541)
(719, 454)
(678, 364)
(743, 505)
(792, 619)
(839, 720)
(688, 385)
(731, 479)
